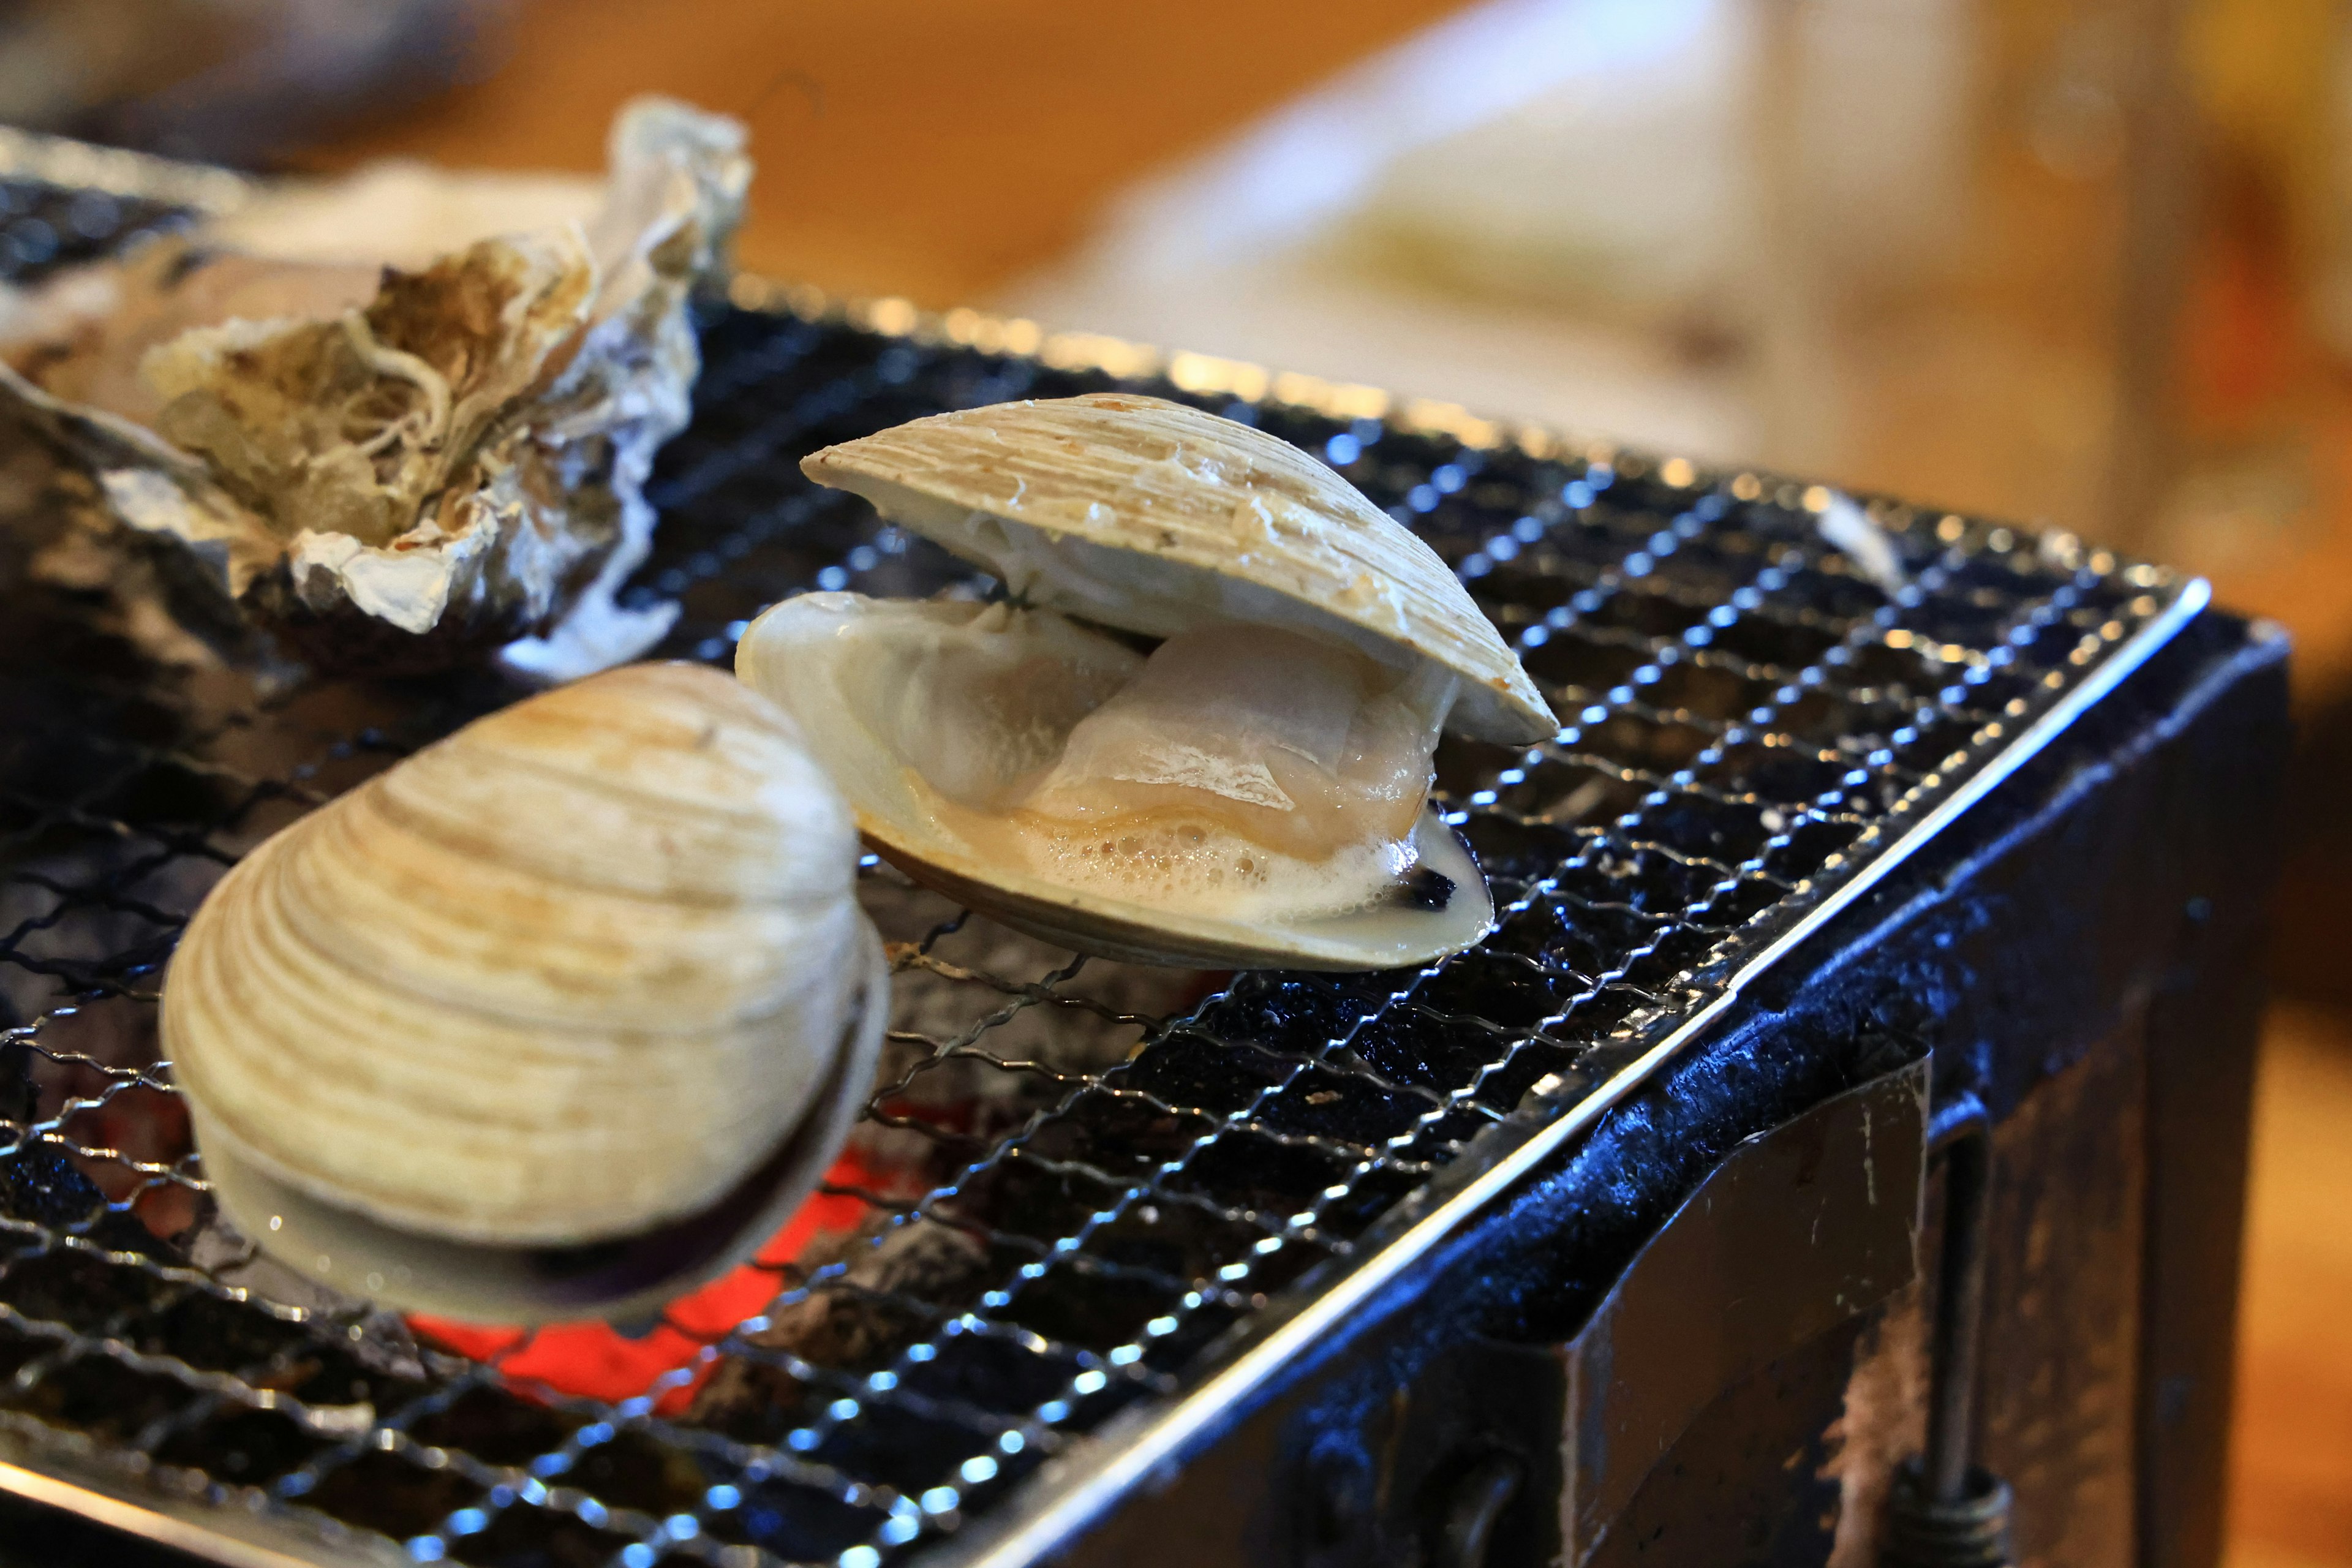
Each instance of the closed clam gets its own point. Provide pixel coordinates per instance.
(555, 1018)
(1200, 728)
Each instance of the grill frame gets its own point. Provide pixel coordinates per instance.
(1120, 1455)
(1128, 1457)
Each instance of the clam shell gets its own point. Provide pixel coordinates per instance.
(618, 1278)
(574, 973)
(1388, 936)
(1147, 515)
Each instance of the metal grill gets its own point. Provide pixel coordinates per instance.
(1079, 1186)
(64, 201)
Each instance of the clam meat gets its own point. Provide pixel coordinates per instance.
(1199, 729)
(556, 1018)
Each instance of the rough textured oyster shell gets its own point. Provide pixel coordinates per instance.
(402, 471)
(1151, 516)
(573, 975)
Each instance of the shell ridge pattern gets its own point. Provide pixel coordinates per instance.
(635, 798)
(1163, 480)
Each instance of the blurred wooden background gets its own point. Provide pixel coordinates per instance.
(907, 147)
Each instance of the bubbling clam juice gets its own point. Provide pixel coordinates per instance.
(1248, 770)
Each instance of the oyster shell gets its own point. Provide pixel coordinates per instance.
(1253, 791)
(553, 1018)
(402, 470)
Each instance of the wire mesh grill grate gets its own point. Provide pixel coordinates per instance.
(1075, 1178)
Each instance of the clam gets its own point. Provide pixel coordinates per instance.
(556, 1018)
(1199, 730)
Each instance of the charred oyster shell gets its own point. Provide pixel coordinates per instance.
(400, 470)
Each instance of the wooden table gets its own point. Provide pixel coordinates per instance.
(928, 148)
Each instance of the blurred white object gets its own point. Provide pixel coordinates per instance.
(405, 213)
(1551, 208)
(1317, 159)
(1849, 529)
(1628, 203)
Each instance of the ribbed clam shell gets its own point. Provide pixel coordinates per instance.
(569, 973)
(1146, 514)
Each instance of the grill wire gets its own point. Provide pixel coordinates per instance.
(1074, 1176)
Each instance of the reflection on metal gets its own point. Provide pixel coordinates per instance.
(1966, 1528)
(67, 164)
(1473, 1508)
(212, 1538)
(1962, 1134)
(1804, 1227)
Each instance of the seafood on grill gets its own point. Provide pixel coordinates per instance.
(1199, 731)
(394, 467)
(556, 1018)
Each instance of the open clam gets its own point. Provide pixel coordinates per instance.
(1251, 791)
(557, 1018)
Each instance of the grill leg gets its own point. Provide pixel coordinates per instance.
(1949, 1512)
(1473, 1508)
